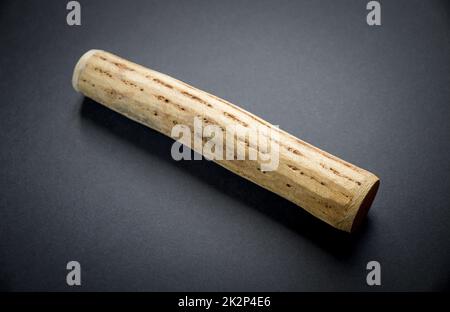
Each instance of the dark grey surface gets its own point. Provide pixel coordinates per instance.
(79, 182)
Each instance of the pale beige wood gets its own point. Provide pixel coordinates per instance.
(329, 188)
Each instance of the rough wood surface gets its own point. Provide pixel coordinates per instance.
(329, 188)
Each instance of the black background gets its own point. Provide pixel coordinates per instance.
(79, 182)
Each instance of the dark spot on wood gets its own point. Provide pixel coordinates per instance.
(336, 172)
(294, 151)
(179, 106)
(162, 98)
(129, 83)
(235, 119)
(123, 66)
(113, 94)
(103, 72)
(196, 98)
(161, 82)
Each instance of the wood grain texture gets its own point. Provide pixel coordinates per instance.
(329, 188)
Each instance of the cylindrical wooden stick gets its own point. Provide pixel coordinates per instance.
(330, 188)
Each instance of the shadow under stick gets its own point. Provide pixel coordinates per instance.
(329, 188)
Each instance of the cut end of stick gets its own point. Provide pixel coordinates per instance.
(80, 66)
(365, 206)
